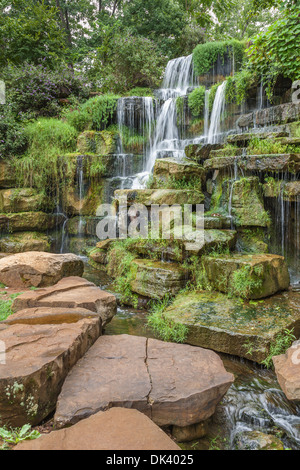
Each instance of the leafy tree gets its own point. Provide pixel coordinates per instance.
(28, 31)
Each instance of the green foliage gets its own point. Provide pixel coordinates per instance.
(29, 32)
(276, 51)
(238, 86)
(205, 55)
(245, 281)
(6, 306)
(140, 91)
(14, 436)
(266, 147)
(282, 342)
(44, 165)
(165, 328)
(13, 139)
(34, 90)
(131, 61)
(196, 101)
(101, 110)
(119, 267)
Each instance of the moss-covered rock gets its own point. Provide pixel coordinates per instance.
(200, 152)
(24, 241)
(170, 170)
(20, 200)
(256, 440)
(252, 240)
(94, 196)
(155, 279)
(160, 196)
(7, 174)
(101, 143)
(247, 276)
(32, 221)
(234, 327)
(264, 163)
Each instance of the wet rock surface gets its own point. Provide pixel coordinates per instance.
(173, 384)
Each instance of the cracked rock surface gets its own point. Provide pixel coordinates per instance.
(173, 384)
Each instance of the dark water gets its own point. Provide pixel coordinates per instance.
(254, 402)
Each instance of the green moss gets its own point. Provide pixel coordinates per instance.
(205, 55)
(196, 101)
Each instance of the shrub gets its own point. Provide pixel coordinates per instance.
(13, 139)
(205, 55)
(100, 110)
(196, 101)
(282, 342)
(238, 86)
(35, 90)
(140, 91)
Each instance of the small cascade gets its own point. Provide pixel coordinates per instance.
(216, 115)
(80, 183)
(179, 77)
(232, 183)
(206, 115)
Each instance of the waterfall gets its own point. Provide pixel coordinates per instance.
(206, 114)
(179, 75)
(80, 183)
(216, 115)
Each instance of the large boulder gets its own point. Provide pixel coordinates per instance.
(234, 327)
(70, 292)
(251, 276)
(169, 170)
(171, 383)
(115, 429)
(40, 351)
(287, 368)
(38, 269)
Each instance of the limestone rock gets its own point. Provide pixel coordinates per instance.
(100, 143)
(20, 200)
(38, 269)
(247, 276)
(32, 221)
(116, 429)
(70, 292)
(287, 368)
(173, 384)
(201, 152)
(171, 169)
(7, 174)
(256, 440)
(38, 359)
(276, 162)
(155, 279)
(233, 327)
(21, 242)
(160, 196)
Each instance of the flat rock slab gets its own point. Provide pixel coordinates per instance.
(276, 162)
(115, 429)
(37, 361)
(287, 368)
(251, 276)
(172, 384)
(38, 269)
(48, 316)
(70, 292)
(231, 326)
(159, 196)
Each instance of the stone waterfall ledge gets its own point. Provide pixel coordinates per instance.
(31, 221)
(22, 242)
(280, 114)
(276, 162)
(160, 196)
(244, 329)
(173, 384)
(168, 168)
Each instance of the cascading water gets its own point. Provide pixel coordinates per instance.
(214, 132)
(80, 182)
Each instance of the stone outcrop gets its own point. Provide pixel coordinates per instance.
(155, 279)
(276, 162)
(116, 429)
(40, 351)
(282, 113)
(20, 200)
(168, 169)
(160, 196)
(233, 327)
(173, 384)
(21, 242)
(287, 368)
(248, 276)
(256, 440)
(70, 293)
(37, 269)
(32, 221)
